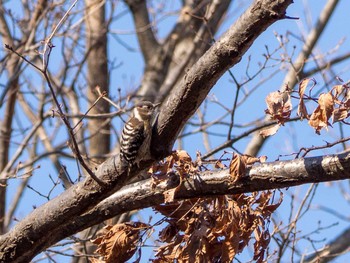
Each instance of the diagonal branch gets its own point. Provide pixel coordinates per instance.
(334, 249)
(188, 40)
(147, 40)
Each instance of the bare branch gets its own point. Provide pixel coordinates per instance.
(147, 40)
(335, 248)
(260, 177)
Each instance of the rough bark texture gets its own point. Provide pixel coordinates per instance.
(30, 236)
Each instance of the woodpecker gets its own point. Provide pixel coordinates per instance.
(137, 133)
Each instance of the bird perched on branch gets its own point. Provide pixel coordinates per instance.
(137, 133)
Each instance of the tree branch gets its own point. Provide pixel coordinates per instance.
(260, 177)
(187, 41)
(147, 40)
(338, 246)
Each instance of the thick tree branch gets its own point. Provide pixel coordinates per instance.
(191, 47)
(29, 236)
(189, 39)
(260, 177)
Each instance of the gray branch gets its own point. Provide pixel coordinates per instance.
(266, 176)
(334, 249)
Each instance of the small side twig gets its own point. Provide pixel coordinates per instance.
(101, 95)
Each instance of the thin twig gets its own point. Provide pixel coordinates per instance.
(101, 95)
(48, 40)
(98, 89)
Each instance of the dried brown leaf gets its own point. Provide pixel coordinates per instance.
(219, 165)
(270, 131)
(183, 156)
(339, 114)
(249, 160)
(338, 90)
(237, 167)
(346, 103)
(177, 157)
(239, 164)
(168, 233)
(279, 106)
(269, 209)
(302, 111)
(262, 158)
(95, 260)
(319, 118)
(221, 227)
(176, 210)
(119, 243)
(169, 195)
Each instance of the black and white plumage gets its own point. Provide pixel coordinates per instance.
(137, 133)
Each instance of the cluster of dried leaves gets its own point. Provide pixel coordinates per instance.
(215, 229)
(178, 163)
(119, 243)
(200, 229)
(334, 104)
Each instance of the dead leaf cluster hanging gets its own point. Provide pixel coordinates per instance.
(334, 104)
(279, 106)
(319, 118)
(215, 229)
(119, 242)
(179, 162)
